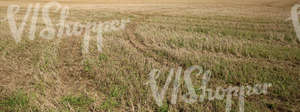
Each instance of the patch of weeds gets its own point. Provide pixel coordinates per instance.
(1, 48)
(232, 50)
(131, 17)
(18, 101)
(78, 102)
(162, 53)
(163, 108)
(195, 43)
(176, 42)
(186, 63)
(112, 100)
(275, 52)
(45, 65)
(288, 37)
(139, 37)
(117, 91)
(165, 54)
(41, 87)
(109, 104)
(189, 29)
(255, 52)
(226, 32)
(87, 66)
(199, 29)
(102, 57)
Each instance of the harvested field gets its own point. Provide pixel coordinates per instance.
(242, 42)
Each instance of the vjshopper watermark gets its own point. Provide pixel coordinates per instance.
(219, 93)
(295, 12)
(63, 28)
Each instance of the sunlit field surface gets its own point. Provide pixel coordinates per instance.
(243, 42)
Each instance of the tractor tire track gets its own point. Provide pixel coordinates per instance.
(146, 50)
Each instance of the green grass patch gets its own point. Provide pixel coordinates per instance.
(102, 57)
(80, 103)
(17, 102)
(113, 99)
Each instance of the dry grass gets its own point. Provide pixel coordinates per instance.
(242, 42)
